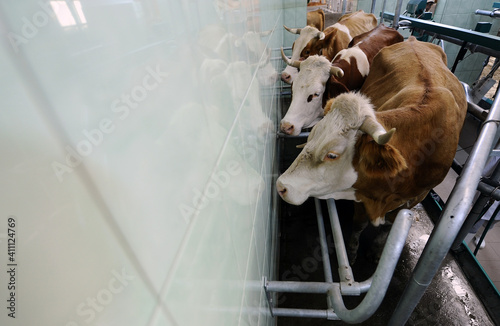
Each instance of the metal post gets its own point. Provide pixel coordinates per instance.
(322, 240)
(344, 6)
(345, 271)
(372, 10)
(382, 13)
(451, 221)
(382, 276)
(475, 213)
(395, 23)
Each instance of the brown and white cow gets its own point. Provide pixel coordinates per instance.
(329, 42)
(318, 80)
(355, 61)
(350, 155)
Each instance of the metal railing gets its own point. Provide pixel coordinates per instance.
(375, 287)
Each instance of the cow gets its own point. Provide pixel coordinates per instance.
(316, 19)
(386, 146)
(329, 42)
(314, 85)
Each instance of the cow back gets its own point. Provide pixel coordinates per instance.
(363, 47)
(358, 22)
(413, 91)
(316, 19)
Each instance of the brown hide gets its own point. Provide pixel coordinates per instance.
(335, 39)
(316, 19)
(370, 43)
(413, 91)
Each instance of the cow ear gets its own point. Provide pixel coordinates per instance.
(328, 106)
(379, 161)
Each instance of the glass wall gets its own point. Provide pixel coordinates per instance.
(137, 150)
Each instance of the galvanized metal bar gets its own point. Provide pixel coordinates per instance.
(297, 287)
(305, 313)
(451, 220)
(382, 276)
(327, 269)
(345, 271)
(473, 37)
(372, 9)
(477, 209)
(395, 22)
(303, 134)
(494, 13)
(382, 13)
(344, 6)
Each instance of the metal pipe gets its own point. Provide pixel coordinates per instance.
(344, 5)
(345, 271)
(382, 276)
(494, 13)
(477, 209)
(451, 221)
(303, 134)
(492, 191)
(322, 240)
(297, 287)
(305, 313)
(382, 13)
(395, 23)
(372, 10)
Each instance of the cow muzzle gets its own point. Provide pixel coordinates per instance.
(286, 77)
(289, 194)
(288, 128)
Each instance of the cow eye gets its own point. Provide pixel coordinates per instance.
(309, 98)
(330, 156)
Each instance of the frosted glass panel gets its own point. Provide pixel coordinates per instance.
(138, 142)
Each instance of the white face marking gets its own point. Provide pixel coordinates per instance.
(359, 55)
(307, 94)
(343, 28)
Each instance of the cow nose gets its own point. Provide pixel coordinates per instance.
(287, 128)
(281, 188)
(285, 77)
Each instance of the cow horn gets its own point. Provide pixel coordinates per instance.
(293, 30)
(265, 33)
(337, 72)
(289, 62)
(320, 35)
(373, 128)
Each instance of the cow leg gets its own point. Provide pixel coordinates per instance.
(360, 222)
(375, 251)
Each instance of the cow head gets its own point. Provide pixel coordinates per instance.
(308, 37)
(325, 168)
(306, 108)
